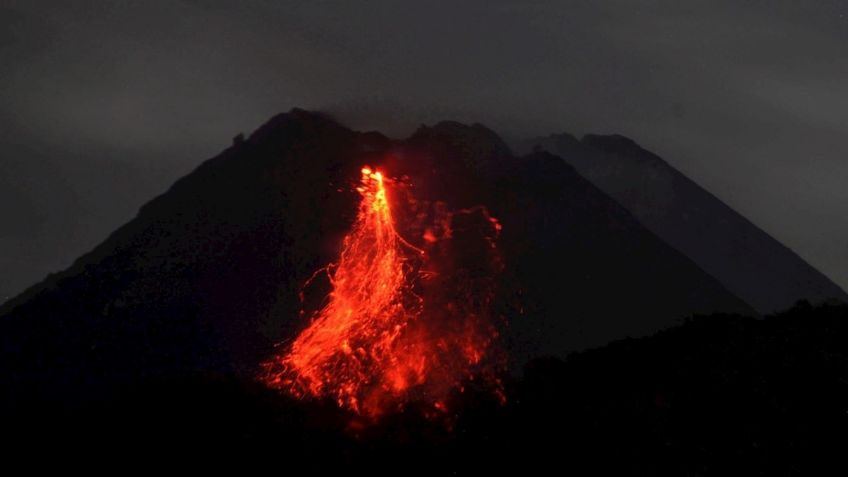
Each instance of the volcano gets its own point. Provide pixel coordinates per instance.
(207, 277)
(353, 300)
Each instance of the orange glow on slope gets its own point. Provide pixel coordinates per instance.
(374, 346)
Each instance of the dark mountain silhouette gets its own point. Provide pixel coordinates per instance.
(206, 278)
(744, 258)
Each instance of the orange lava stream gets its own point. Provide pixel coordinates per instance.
(370, 304)
(369, 347)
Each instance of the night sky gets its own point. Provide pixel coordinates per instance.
(104, 104)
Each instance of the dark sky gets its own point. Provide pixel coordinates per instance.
(104, 104)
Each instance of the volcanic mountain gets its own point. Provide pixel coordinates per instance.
(744, 258)
(207, 278)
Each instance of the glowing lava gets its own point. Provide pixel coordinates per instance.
(375, 345)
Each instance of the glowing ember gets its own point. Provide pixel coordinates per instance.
(375, 345)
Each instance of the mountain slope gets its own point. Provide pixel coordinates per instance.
(583, 270)
(748, 261)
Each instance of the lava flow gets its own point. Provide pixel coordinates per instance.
(389, 332)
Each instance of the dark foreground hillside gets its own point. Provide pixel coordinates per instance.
(718, 395)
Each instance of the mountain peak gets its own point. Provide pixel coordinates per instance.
(563, 136)
(296, 122)
(476, 139)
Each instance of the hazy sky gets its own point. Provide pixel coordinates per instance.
(104, 104)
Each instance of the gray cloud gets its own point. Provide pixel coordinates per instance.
(105, 103)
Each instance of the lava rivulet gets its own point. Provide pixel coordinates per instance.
(376, 344)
